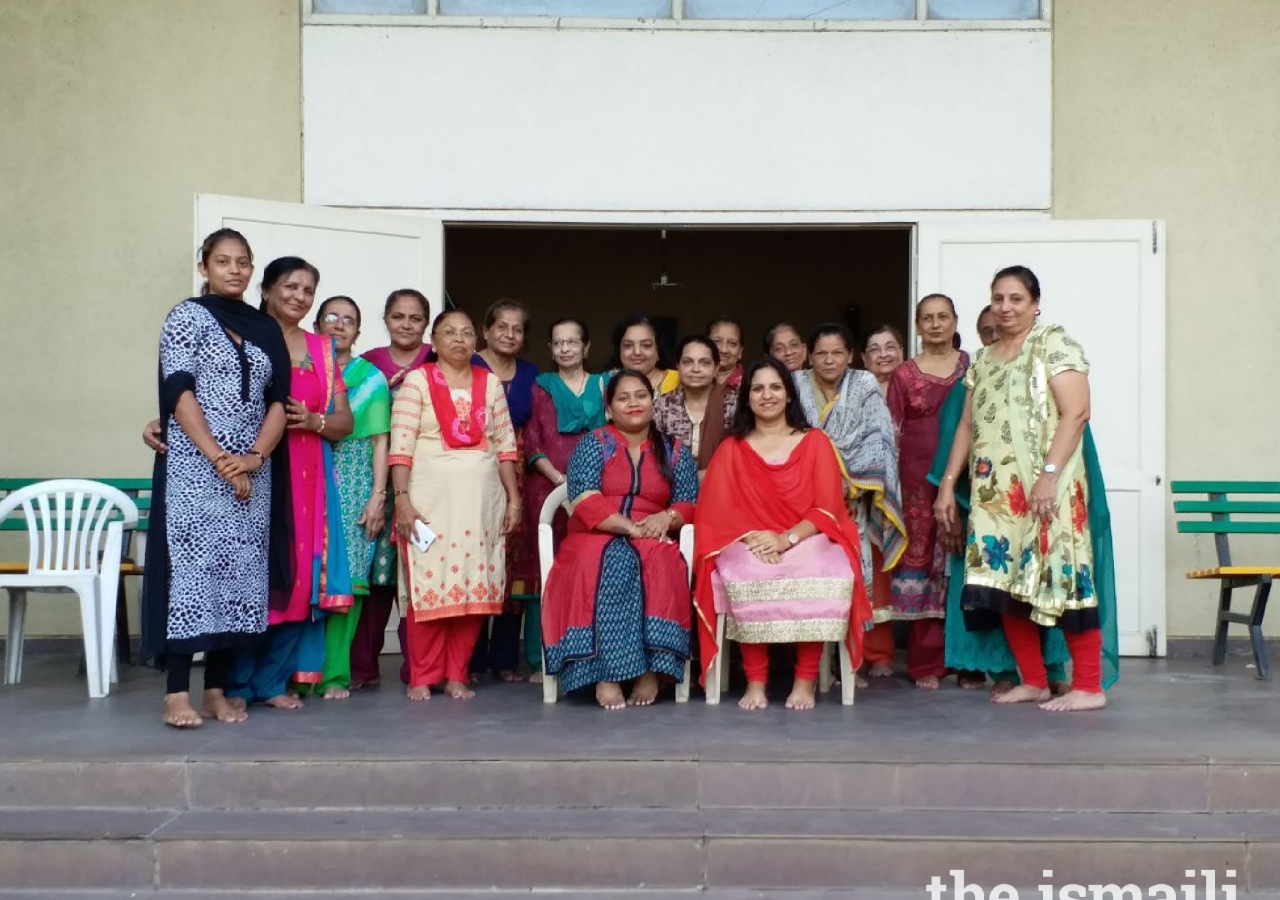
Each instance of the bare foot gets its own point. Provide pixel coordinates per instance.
(360, 685)
(1003, 686)
(218, 706)
(535, 678)
(1023, 693)
(458, 690)
(880, 670)
(1058, 688)
(510, 677)
(1075, 701)
(970, 682)
(644, 691)
(238, 703)
(754, 698)
(179, 713)
(801, 695)
(858, 682)
(337, 693)
(418, 693)
(284, 701)
(609, 695)
(928, 683)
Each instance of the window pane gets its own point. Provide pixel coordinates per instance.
(984, 9)
(799, 9)
(371, 7)
(583, 9)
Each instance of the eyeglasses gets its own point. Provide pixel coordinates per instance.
(883, 348)
(567, 343)
(334, 319)
(449, 334)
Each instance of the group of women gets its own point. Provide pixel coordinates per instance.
(301, 492)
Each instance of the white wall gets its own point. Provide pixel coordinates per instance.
(627, 119)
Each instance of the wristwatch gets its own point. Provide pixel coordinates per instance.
(1050, 469)
(792, 538)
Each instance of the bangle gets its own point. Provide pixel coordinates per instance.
(322, 424)
(672, 513)
(257, 453)
(398, 493)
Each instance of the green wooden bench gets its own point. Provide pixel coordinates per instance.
(139, 491)
(1224, 507)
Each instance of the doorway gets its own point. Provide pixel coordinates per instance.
(860, 277)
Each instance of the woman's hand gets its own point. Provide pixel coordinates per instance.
(151, 436)
(511, 518)
(1043, 499)
(241, 486)
(768, 546)
(407, 518)
(298, 417)
(374, 516)
(944, 507)
(654, 526)
(230, 465)
(556, 477)
(952, 539)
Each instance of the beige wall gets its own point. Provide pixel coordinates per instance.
(1171, 111)
(114, 115)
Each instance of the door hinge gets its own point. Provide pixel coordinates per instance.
(1155, 237)
(1153, 641)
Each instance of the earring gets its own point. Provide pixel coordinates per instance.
(1037, 312)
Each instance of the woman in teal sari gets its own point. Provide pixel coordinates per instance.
(360, 470)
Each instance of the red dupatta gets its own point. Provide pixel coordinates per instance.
(456, 433)
(742, 493)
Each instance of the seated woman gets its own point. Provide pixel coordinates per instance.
(775, 548)
(616, 603)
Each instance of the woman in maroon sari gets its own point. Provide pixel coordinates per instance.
(616, 604)
(406, 316)
(917, 390)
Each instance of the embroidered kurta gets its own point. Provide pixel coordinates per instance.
(915, 399)
(458, 492)
(616, 607)
(370, 402)
(1046, 565)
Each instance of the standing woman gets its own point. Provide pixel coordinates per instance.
(636, 347)
(700, 411)
(847, 405)
(406, 316)
(917, 391)
(567, 403)
(316, 413)
(505, 322)
(726, 334)
(218, 529)
(1031, 560)
(452, 461)
(360, 469)
(783, 343)
(882, 353)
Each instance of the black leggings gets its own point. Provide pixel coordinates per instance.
(217, 665)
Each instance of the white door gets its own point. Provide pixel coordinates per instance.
(1105, 283)
(364, 255)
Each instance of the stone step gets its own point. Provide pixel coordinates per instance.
(625, 849)
(621, 783)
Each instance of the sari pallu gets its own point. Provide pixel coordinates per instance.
(616, 607)
(742, 492)
(859, 425)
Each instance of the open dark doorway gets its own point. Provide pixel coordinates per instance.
(858, 276)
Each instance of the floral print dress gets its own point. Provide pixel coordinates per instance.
(1011, 555)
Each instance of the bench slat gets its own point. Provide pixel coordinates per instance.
(1235, 572)
(1224, 487)
(1229, 527)
(21, 568)
(1227, 506)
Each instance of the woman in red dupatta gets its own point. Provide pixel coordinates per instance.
(616, 603)
(775, 549)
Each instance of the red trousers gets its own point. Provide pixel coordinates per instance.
(926, 649)
(440, 650)
(877, 645)
(1086, 655)
(755, 661)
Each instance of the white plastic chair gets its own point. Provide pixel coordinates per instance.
(546, 555)
(66, 521)
(718, 674)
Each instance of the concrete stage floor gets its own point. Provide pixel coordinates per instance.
(1162, 711)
